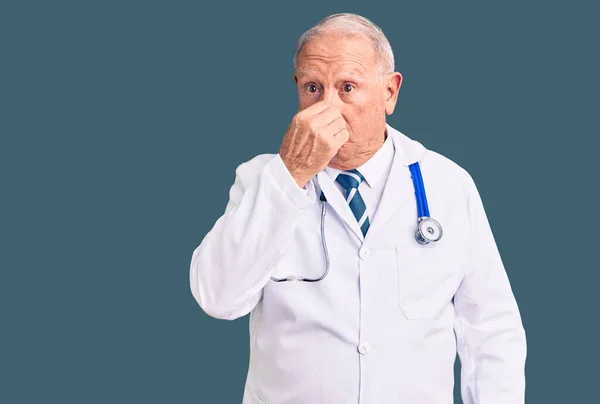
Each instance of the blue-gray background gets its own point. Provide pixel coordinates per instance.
(122, 124)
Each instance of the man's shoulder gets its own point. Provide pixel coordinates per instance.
(441, 162)
(248, 170)
(447, 170)
(257, 163)
(431, 161)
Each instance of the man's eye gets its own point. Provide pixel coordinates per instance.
(311, 88)
(348, 88)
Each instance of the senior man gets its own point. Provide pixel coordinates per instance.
(318, 244)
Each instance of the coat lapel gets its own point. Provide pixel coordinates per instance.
(399, 189)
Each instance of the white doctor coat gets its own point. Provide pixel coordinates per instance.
(386, 323)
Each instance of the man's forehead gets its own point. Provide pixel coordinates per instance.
(308, 71)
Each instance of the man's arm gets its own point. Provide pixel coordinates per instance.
(490, 335)
(236, 257)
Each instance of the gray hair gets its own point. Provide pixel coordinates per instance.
(348, 23)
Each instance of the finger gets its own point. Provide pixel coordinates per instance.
(341, 137)
(327, 116)
(334, 127)
(315, 108)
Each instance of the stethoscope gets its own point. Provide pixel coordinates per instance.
(428, 229)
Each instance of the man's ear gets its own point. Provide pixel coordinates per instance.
(295, 78)
(392, 88)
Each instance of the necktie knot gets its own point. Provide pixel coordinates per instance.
(350, 179)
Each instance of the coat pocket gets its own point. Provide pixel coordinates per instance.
(428, 277)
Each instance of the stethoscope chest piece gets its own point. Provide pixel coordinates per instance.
(428, 230)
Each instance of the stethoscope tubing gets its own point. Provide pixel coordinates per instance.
(417, 178)
(422, 210)
(325, 251)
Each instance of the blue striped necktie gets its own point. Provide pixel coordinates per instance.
(350, 180)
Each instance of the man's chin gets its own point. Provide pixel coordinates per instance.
(339, 155)
(336, 160)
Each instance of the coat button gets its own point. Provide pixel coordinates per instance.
(364, 348)
(364, 253)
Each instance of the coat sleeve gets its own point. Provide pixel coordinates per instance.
(491, 340)
(235, 258)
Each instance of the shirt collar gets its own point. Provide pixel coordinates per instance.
(373, 169)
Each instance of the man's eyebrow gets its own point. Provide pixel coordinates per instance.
(353, 72)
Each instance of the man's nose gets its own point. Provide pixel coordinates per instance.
(331, 97)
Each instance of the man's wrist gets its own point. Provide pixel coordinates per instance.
(301, 182)
(300, 179)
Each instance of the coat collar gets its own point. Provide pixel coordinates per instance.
(397, 191)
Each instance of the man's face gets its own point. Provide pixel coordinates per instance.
(343, 71)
